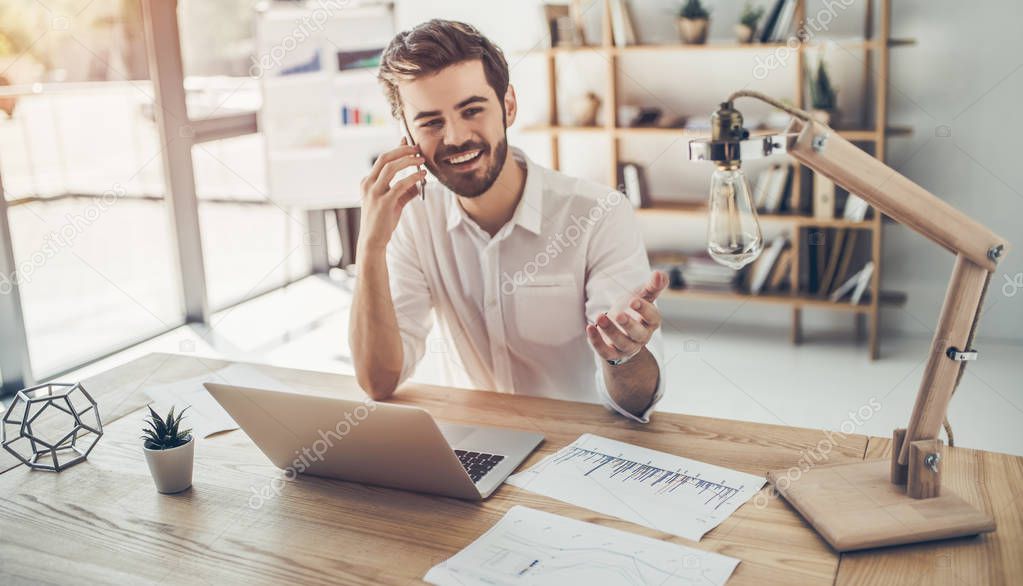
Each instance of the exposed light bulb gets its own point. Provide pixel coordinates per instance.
(733, 232)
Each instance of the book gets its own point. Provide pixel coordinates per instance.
(762, 267)
(814, 266)
(783, 25)
(787, 192)
(832, 265)
(630, 30)
(760, 191)
(845, 287)
(621, 24)
(631, 175)
(767, 28)
(857, 284)
(633, 182)
(562, 26)
(776, 189)
(821, 258)
(845, 259)
(780, 272)
(855, 208)
(862, 282)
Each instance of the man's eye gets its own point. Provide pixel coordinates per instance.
(433, 123)
(471, 111)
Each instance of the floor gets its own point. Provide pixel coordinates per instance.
(740, 372)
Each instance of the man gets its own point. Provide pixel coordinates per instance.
(521, 264)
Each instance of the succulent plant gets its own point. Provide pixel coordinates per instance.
(164, 433)
(751, 15)
(694, 10)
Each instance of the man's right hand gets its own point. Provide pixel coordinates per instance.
(381, 202)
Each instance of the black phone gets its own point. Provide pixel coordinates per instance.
(412, 142)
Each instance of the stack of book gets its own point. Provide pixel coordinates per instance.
(694, 271)
(700, 272)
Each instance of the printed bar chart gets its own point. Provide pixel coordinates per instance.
(662, 491)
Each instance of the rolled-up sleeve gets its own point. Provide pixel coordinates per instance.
(410, 294)
(617, 266)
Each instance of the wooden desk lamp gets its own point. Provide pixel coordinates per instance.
(877, 503)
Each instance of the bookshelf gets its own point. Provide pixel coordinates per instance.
(872, 136)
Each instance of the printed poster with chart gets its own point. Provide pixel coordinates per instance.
(665, 492)
(542, 549)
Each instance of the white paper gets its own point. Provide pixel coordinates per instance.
(533, 547)
(205, 416)
(665, 492)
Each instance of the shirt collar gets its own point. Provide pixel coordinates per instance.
(528, 213)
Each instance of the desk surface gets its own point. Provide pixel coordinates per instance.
(103, 521)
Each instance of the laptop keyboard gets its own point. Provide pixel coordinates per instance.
(477, 464)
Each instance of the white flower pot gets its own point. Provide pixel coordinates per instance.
(743, 33)
(693, 30)
(171, 469)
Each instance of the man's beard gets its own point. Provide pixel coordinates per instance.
(471, 183)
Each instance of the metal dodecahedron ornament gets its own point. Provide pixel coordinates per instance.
(33, 433)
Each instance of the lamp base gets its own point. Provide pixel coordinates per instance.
(856, 506)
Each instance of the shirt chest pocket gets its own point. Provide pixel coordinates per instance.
(549, 310)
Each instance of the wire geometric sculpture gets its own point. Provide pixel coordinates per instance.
(70, 399)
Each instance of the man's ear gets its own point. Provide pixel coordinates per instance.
(511, 106)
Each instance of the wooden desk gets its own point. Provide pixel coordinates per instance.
(103, 521)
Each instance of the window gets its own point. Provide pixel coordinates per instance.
(250, 243)
(89, 224)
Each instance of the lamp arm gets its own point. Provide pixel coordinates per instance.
(977, 251)
(826, 152)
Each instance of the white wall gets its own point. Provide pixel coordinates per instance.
(964, 73)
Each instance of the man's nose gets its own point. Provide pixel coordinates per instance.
(457, 133)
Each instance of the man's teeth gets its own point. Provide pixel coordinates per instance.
(463, 158)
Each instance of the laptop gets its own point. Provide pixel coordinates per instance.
(396, 446)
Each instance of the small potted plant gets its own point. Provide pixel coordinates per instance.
(693, 22)
(823, 96)
(169, 451)
(748, 21)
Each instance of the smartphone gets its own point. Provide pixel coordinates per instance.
(412, 142)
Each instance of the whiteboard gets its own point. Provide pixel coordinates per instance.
(303, 52)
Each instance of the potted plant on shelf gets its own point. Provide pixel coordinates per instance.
(823, 96)
(169, 451)
(693, 22)
(748, 21)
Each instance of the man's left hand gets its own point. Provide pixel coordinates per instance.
(620, 335)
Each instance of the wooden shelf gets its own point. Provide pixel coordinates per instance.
(796, 301)
(873, 45)
(669, 208)
(888, 298)
(857, 135)
(851, 43)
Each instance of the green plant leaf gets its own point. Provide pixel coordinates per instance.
(694, 9)
(152, 427)
(161, 427)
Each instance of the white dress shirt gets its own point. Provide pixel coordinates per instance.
(514, 306)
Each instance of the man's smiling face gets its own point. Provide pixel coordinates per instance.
(459, 123)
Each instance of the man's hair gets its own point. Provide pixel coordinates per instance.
(433, 45)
